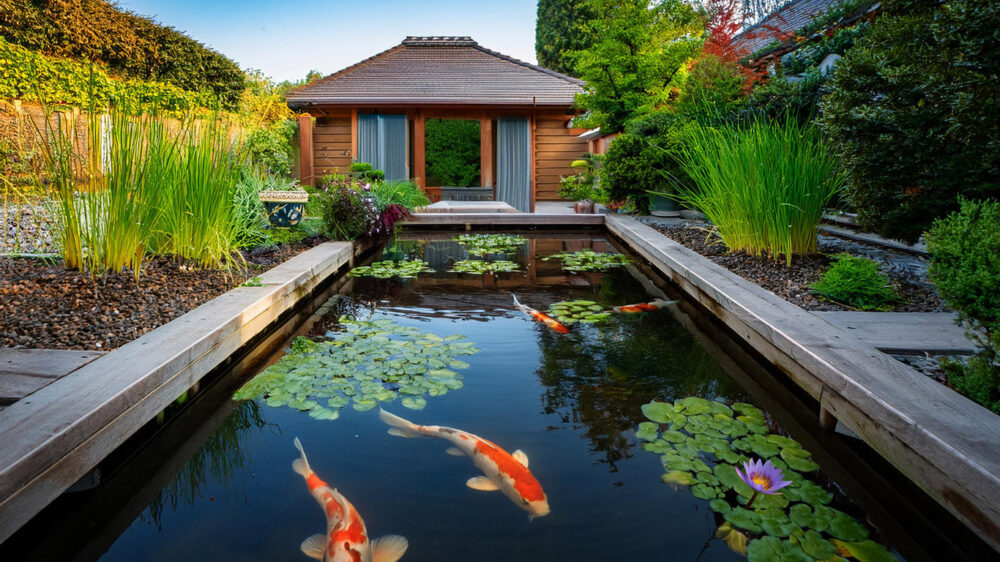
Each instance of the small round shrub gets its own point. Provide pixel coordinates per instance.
(645, 158)
(912, 113)
(856, 282)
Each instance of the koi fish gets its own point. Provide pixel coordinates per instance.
(346, 538)
(643, 307)
(507, 472)
(541, 317)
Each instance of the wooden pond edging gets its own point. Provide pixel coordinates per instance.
(947, 444)
(522, 220)
(58, 434)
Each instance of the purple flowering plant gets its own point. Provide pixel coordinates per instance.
(763, 478)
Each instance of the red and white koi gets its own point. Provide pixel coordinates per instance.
(346, 538)
(507, 472)
(643, 307)
(541, 317)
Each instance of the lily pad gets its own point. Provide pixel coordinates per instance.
(578, 311)
(485, 244)
(404, 269)
(648, 431)
(772, 549)
(482, 266)
(865, 551)
(589, 260)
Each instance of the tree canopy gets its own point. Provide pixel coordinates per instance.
(560, 31)
(638, 57)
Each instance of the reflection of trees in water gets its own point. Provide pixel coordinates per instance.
(224, 458)
(600, 376)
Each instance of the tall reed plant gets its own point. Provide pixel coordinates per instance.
(200, 223)
(763, 184)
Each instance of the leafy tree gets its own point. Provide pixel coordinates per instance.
(635, 63)
(453, 157)
(560, 30)
(912, 113)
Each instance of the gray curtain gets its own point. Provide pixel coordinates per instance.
(382, 143)
(514, 162)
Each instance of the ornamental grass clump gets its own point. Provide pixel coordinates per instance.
(856, 282)
(764, 185)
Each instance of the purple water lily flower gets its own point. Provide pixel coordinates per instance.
(762, 477)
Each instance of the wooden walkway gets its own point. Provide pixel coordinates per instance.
(24, 371)
(904, 333)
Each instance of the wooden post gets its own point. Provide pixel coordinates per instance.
(486, 152)
(354, 135)
(419, 150)
(306, 149)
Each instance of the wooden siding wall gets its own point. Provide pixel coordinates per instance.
(332, 145)
(555, 147)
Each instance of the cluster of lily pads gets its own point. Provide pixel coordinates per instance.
(578, 311)
(589, 260)
(484, 244)
(700, 441)
(370, 362)
(483, 266)
(404, 269)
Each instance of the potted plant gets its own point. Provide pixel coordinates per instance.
(284, 202)
(584, 186)
(661, 204)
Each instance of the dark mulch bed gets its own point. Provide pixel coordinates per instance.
(791, 283)
(45, 306)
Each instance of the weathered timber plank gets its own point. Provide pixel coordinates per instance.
(944, 442)
(14, 387)
(904, 332)
(503, 219)
(918, 249)
(44, 362)
(63, 430)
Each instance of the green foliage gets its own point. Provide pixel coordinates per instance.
(965, 267)
(452, 152)
(645, 157)
(404, 269)
(635, 62)
(912, 114)
(479, 267)
(368, 363)
(349, 213)
(584, 184)
(578, 311)
(31, 76)
(809, 56)
(979, 379)
(589, 260)
(779, 98)
(487, 244)
(270, 147)
(856, 282)
(559, 31)
(700, 441)
(399, 192)
(712, 87)
(763, 185)
(128, 44)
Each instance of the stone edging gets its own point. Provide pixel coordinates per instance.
(944, 442)
(58, 434)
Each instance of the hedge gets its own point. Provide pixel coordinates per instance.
(129, 45)
(31, 76)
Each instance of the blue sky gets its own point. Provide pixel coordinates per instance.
(287, 39)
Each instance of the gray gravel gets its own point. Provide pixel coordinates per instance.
(28, 229)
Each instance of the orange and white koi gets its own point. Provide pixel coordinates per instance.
(643, 307)
(507, 472)
(346, 538)
(541, 317)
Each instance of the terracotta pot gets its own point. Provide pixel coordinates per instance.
(584, 206)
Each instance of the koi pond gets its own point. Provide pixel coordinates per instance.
(557, 370)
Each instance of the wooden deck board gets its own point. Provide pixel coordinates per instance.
(904, 332)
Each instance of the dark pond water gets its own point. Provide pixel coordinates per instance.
(571, 402)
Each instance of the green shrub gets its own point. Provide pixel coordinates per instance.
(778, 98)
(856, 282)
(349, 212)
(912, 114)
(644, 158)
(31, 76)
(453, 157)
(399, 192)
(584, 184)
(965, 267)
(270, 148)
(128, 44)
(713, 87)
(764, 185)
(979, 379)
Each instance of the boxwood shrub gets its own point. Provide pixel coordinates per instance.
(912, 113)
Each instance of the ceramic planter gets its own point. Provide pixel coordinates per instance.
(284, 208)
(660, 206)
